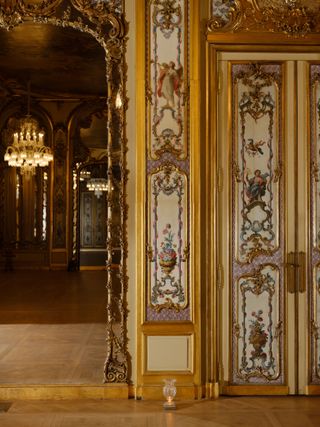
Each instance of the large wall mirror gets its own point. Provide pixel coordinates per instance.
(62, 63)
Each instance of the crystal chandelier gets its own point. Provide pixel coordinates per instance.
(98, 185)
(27, 150)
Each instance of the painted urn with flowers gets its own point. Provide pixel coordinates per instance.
(167, 255)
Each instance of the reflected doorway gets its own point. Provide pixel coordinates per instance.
(93, 187)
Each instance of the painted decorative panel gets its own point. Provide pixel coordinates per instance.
(315, 350)
(59, 190)
(167, 154)
(256, 92)
(168, 247)
(314, 290)
(315, 76)
(168, 78)
(257, 221)
(258, 324)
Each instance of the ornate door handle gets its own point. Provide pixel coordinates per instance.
(291, 272)
(296, 272)
(302, 272)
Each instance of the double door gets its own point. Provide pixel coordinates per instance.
(268, 222)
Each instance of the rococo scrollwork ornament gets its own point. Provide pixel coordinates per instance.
(103, 20)
(295, 18)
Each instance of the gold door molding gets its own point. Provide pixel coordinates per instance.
(262, 268)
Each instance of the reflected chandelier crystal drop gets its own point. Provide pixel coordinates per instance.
(27, 150)
(98, 185)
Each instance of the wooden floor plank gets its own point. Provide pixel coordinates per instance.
(52, 327)
(224, 412)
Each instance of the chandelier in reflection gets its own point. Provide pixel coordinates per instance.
(28, 150)
(98, 185)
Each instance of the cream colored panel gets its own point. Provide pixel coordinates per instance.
(256, 160)
(168, 353)
(251, 215)
(314, 290)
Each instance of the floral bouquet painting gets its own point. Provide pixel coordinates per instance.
(167, 255)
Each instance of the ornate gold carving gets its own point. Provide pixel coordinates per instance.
(290, 17)
(150, 254)
(277, 173)
(236, 330)
(315, 171)
(169, 305)
(104, 21)
(10, 15)
(166, 15)
(186, 253)
(278, 330)
(315, 329)
(256, 250)
(217, 23)
(236, 172)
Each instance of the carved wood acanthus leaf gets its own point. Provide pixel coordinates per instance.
(295, 18)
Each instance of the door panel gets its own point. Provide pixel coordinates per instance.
(269, 222)
(257, 216)
(314, 257)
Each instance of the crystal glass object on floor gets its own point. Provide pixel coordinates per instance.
(169, 392)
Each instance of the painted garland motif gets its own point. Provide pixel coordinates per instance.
(168, 253)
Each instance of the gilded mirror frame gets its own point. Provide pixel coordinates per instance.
(105, 22)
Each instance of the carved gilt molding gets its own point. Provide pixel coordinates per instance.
(295, 18)
(104, 21)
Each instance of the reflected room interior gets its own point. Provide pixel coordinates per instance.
(53, 217)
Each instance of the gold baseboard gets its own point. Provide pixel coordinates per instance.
(63, 392)
(254, 390)
(212, 390)
(184, 392)
(313, 390)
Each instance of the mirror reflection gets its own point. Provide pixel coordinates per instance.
(53, 216)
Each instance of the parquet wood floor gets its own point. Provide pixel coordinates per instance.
(224, 412)
(52, 327)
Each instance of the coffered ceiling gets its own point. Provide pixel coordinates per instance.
(59, 62)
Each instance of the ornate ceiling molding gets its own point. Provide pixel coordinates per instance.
(295, 18)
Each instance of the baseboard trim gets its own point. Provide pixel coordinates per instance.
(254, 390)
(313, 390)
(63, 392)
